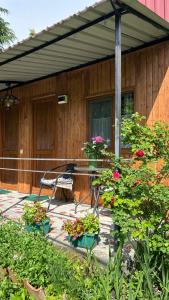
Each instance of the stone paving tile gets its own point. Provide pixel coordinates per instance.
(12, 205)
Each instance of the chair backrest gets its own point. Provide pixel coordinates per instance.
(70, 168)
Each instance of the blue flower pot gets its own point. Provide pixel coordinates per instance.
(87, 241)
(43, 227)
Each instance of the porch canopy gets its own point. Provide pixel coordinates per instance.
(102, 31)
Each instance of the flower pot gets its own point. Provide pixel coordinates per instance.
(92, 164)
(38, 294)
(43, 227)
(87, 241)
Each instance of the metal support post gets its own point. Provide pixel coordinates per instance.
(117, 84)
(117, 102)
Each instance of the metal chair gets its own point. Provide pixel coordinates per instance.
(63, 180)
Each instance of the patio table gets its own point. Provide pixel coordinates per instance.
(94, 190)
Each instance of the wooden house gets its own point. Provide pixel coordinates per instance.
(113, 51)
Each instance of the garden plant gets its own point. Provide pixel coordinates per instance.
(61, 274)
(94, 149)
(35, 218)
(83, 232)
(137, 191)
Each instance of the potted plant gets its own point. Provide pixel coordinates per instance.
(83, 232)
(94, 149)
(35, 218)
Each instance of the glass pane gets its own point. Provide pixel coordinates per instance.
(127, 108)
(101, 119)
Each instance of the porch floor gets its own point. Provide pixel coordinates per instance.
(11, 206)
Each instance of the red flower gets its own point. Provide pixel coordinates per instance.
(138, 181)
(139, 153)
(116, 175)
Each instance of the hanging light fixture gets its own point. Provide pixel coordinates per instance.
(9, 100)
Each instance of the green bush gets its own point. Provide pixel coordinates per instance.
(31, 256)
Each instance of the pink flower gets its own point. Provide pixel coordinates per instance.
(116, 175)
(98, 139)
(139, 153)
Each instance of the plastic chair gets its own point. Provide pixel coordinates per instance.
(63, 181)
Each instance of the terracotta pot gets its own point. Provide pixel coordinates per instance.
(3, 273)
(38, 294)
(12, 275)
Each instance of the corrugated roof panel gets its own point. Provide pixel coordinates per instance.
(69, 50)
(85, 46)
(52, 59)
(57, 48)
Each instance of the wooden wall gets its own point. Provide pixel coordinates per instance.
(145, 72)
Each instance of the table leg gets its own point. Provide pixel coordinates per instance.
(81, 201)
(96, 196)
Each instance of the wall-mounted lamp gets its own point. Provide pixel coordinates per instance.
(62, 99)
(9, 100)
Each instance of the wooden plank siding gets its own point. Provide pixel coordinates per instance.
(160, 7)
(145, 72)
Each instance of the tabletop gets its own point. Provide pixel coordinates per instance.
(89, 169)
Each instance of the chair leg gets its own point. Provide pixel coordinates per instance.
(51, 197)
(40, 190)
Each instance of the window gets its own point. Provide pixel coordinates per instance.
(127, 104)
(101, 114)
(100, 122)
(127, 109)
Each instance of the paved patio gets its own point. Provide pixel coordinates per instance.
(11, 206)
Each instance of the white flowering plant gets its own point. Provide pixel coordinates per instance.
(96, 147)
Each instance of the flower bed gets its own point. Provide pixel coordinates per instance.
(32, 262)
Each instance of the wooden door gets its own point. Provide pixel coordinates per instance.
(44, 120)
(10, 144)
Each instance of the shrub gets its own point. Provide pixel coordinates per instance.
(137, 190)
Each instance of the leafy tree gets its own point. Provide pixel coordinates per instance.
(6, 33)
(32, 32)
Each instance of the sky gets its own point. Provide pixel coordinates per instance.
(39, 14)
